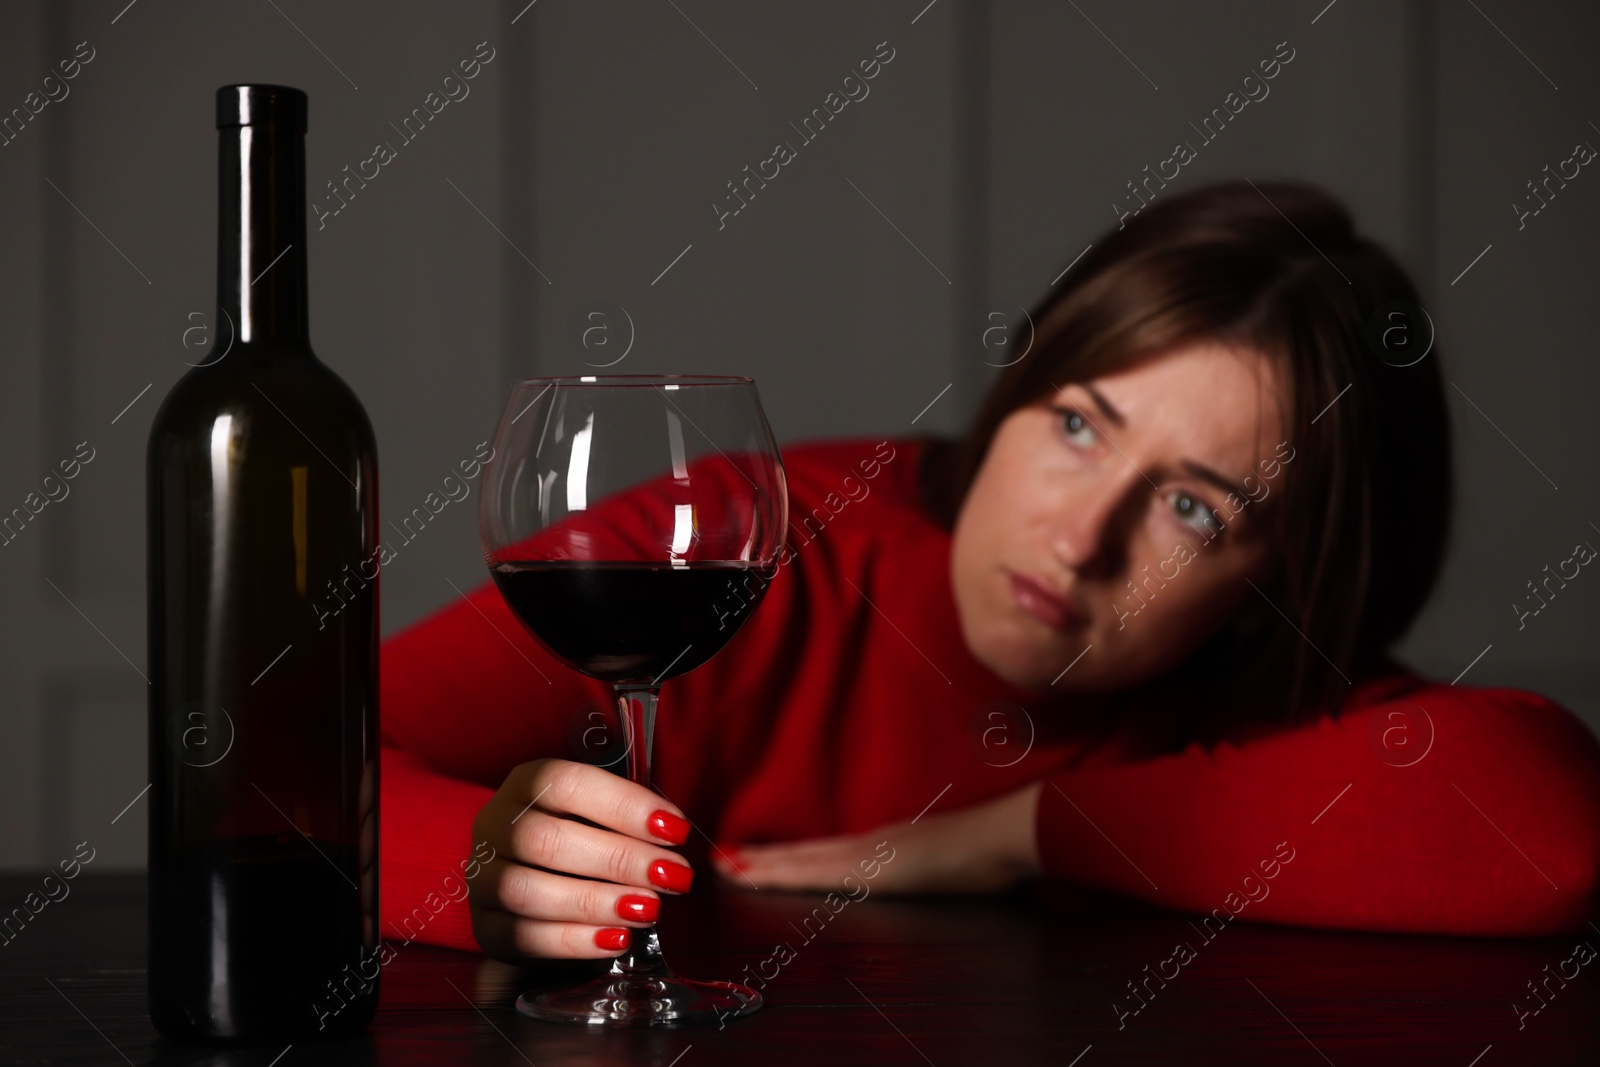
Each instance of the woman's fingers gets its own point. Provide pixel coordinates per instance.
(553, 818)
(566, 788)
(542, 840)
(816, 864)
(532, 894)
(507, 936)
(593, 793)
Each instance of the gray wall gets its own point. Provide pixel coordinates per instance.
(855, 287)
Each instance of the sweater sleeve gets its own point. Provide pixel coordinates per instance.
(1446, 810)
(426, 852)
(465, 696)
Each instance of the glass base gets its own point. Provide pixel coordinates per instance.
(623, 1000)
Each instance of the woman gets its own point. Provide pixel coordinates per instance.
(1130, 633)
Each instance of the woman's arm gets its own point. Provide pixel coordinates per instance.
(429, 862)
(1448, 811)
(474, 709)
(980, 849)
(466, 695)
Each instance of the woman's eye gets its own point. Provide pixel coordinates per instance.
(1193, 512)
(1076, 427)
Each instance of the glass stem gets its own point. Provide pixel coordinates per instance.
(636, 707)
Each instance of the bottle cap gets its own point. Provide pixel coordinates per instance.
(261, 105)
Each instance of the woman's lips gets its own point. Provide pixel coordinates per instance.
(1055, 612)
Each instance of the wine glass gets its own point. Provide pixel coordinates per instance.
(632, 523)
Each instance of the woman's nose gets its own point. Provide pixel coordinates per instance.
(1090, 518)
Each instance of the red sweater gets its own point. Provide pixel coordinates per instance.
(849, 700)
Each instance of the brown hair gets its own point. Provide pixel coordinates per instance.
(1276, 268)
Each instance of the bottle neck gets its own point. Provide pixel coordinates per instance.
(261, 233)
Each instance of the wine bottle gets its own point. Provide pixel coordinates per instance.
(262, 522)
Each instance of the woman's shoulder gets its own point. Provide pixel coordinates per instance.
(857, 475)
(841, 466)
(856, 519)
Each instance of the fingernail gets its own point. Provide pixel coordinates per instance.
(668, 827)
(639, 909)
(673, 876)
(612, 938)
(731, 858)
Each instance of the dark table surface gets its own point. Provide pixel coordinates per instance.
(1030, 978)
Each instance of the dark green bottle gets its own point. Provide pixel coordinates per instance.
(262, 501)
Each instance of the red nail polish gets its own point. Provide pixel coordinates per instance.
(668, 827)
(673, 876)
(639, 909)
(612, 938)
(730, 856)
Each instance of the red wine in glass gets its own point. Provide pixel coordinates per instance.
(626, 622)
(632, 523)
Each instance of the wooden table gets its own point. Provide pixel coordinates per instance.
(884, 982)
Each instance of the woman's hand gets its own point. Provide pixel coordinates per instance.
(525, 901)
(981, 849)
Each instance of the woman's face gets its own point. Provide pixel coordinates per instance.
(1088, 537)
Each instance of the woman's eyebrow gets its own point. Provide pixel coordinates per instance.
(1201, 471)
(1103, 404)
